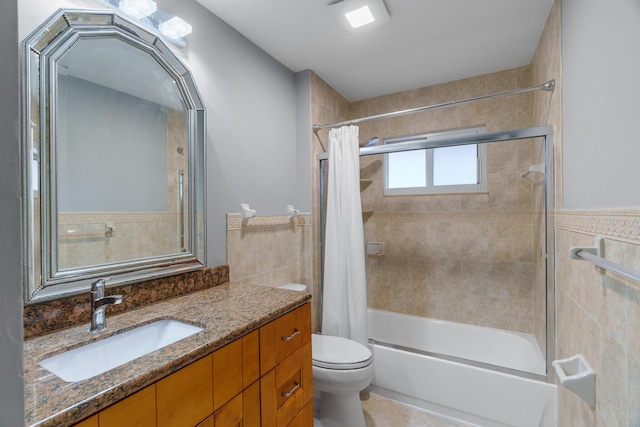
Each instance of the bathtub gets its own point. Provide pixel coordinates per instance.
(423, 362)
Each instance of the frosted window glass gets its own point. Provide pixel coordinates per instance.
(407, 169)
(455, 165)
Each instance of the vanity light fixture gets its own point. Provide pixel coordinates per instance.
(172, 28)
(138, 8)
(175, 28)
(355, 14)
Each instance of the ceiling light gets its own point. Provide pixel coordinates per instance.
(359, 17)
(175, 28)
(138, 8)
(354, 14)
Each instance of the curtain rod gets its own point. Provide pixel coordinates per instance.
(548, 86)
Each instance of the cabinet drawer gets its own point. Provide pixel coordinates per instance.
(286, 389)
(288, 378)
(284, 336)
(304, 418)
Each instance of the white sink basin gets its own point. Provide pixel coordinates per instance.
(103, 355)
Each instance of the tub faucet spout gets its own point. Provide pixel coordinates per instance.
(98, 303)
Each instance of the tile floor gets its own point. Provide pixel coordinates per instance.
(382, 412)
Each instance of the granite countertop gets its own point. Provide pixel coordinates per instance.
(226, 312)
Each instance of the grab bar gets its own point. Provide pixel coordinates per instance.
(594, 255)
(246, 212)
(108, 231)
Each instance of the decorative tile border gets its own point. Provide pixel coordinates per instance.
(469, 217)
(234, 221)
(100, 217)
(622, 225)
(302, 220)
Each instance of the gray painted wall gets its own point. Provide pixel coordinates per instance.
(601, 108)
(11, 385)
(109, 140)
(303, 137)
(251, 114)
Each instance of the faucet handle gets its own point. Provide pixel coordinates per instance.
(98, 285)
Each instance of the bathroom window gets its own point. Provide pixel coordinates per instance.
(455, 169)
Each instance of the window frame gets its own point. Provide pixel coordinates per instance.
(429, 188)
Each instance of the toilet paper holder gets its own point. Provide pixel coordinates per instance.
(576, 374)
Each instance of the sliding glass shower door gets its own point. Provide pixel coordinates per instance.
(479, 255)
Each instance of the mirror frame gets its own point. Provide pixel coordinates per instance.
(40, 51)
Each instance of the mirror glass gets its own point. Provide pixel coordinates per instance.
(114, 138)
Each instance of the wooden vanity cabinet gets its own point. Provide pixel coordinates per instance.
(262, 379)
(185, 398)
(138, 410)
(89, 422)
(286, 384)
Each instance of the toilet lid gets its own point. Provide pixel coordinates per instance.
(339, 353)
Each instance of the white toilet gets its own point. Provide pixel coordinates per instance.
(342, 368)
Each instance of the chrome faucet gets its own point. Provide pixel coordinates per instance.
(99, 302)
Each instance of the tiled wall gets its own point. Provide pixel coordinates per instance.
(596, 315)
(459, 257)
(327, 106)
(465, 258)
(269, 251)
(547, 110)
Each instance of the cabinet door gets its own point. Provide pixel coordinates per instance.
(251, 405)
(250, 358)
(269, 404)
(208, 422)
(230, 415)
(137, 410)
(267, 348)
(227, 373)
(185, 397)
(89, 422)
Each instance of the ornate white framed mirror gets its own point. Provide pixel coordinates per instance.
(113, 157)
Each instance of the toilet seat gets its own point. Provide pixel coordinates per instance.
(339, 353)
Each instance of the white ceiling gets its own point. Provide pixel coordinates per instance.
(426, 42)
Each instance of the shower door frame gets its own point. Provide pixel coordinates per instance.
(544, 132)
